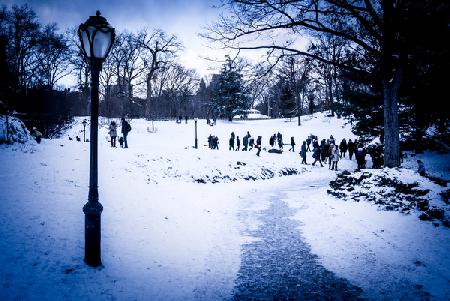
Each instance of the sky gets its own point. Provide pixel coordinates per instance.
(184, 18)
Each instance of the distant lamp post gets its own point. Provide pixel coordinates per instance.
(96, 37)
(196, 140)
(84, 130)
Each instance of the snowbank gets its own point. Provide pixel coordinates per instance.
(17, 130)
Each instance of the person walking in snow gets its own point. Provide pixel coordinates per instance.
(324, 151)
(335, 157)
(113, 133)
(330, 149)
(126, 128)
(292, 145)
(238, 143)
(231, 142)
(351, 148)
(244, 143)
(316, 155)
(258, 145)
(343, 147)
(303, 152)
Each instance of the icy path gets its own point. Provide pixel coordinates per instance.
(278, 264)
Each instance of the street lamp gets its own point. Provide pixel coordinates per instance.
(84, 130)
(196, 140)
(96, 37)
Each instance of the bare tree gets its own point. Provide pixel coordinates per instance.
(79, 64)
(175, 85)
(159, 50)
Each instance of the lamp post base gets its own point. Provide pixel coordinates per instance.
(92, 233)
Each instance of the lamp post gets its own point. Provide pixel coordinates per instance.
(96, 37)
(196, 140)
(84, 130)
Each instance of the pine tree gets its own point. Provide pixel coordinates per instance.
(288, 105)
(229, 94)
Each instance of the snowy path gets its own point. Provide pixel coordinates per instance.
(304, 242)
(280, 265)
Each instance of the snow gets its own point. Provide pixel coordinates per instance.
(165, 236)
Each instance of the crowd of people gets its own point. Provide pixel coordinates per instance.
(325, 151)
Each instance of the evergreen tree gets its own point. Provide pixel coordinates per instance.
(288, 105)
(229, 94)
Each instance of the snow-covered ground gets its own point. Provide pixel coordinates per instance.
(168, 236)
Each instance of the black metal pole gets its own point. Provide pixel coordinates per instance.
(84, 132)
(93, 209)
(196, 140)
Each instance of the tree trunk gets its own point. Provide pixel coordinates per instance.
(391, 79)
(391, 130)
(330, 89)
(299, 108)
(420, 126)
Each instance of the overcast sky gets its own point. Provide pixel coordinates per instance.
(184, 18)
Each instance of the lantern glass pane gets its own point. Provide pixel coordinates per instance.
(102, 41)
(86, 43)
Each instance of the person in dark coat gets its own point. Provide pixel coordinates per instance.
(292, 145)
(238, 143)
(258, 145)
(210, 141)
(280, 140)
(343, 147)
(316, 155)
(271, 141)
(126, 128)
(251, 143)
(231, 141)
(360, 155)
(323, 150)
(245, 143)
(303, 152)
(351, 148)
